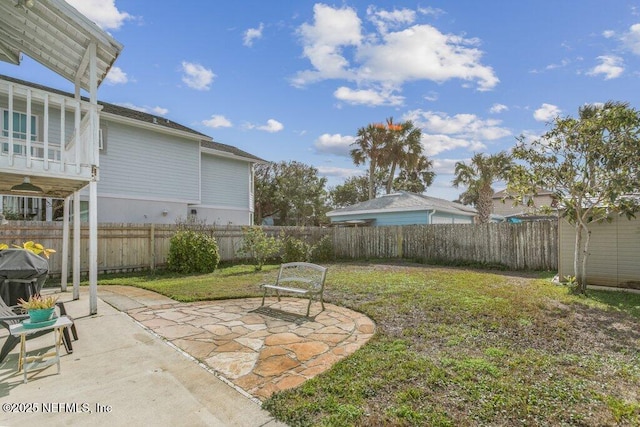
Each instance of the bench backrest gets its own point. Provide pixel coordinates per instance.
(302, 275)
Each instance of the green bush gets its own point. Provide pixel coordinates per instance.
(295, 250)
(258, 246)
(323, 250)
(193, 252)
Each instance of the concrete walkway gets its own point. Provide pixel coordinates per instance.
(222, 359)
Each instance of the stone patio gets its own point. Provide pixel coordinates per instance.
(259, 352)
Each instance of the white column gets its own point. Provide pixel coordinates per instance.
(76, 245)
(93, 247)
(93, 185)
(48, 209)
(65, 245)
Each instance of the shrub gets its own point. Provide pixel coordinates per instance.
(193, 252)
(295, 250)
(323, 250)
(258, 246)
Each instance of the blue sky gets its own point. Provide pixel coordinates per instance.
(294, 80)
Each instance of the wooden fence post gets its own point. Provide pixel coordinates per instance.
(152, 247)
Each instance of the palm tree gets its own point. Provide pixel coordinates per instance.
(417, 179)
(402, 149)
(369, 144)
(478, 176)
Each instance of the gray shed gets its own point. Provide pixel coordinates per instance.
(614, 252)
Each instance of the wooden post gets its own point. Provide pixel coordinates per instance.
(152, 247)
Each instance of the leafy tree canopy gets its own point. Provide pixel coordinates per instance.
(478, 176)
(290, 192)
(395, 150)
(591, 163)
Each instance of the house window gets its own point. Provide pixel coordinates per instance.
(19, 130)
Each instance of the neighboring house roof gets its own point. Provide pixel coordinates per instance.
(404, 201)
(143, 117)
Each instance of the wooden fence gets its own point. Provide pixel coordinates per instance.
(125, 247)
(524, 246)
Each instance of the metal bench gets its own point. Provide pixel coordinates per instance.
(302, 278)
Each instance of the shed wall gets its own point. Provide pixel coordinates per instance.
(614, 252)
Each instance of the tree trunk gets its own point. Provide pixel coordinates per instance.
(484, 205)
(581, 255)
(585, 256)
(372, 169)
(577, 252)
(390, 180)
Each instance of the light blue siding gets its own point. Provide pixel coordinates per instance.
(225, 182)
(149, 164)
(388, 218)
(448, 218)
(406, 218)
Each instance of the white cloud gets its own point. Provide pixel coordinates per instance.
(433, 11)
(337, 144)
(398, 52)
(217, 121)
(103, 12)
(610, 65)
(384, 19)
(444, 166)
(631, 39)
(441, 132)
(562, 64)
(422, 52)
(272, 126)
(546, 113)
(323, 42)
(160, 111)
(432, 96)
(498, 108)
(435, 144)
(607, 34)
(196, 76)
(367, 97)
(252, 34)
(464, 125)
(116, 76)
(333, 171)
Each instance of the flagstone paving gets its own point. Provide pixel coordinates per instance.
(260, 352)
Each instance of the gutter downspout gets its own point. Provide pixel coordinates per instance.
(430, 216)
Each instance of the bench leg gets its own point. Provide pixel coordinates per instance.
(309, 306)
(9, 344)
(264, 294)
(63, 312)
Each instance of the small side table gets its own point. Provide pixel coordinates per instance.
(26, 363)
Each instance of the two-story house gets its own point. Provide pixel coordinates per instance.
(151, 168)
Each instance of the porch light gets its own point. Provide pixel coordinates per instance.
(26, 187)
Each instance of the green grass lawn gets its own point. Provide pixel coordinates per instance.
(456, 347)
